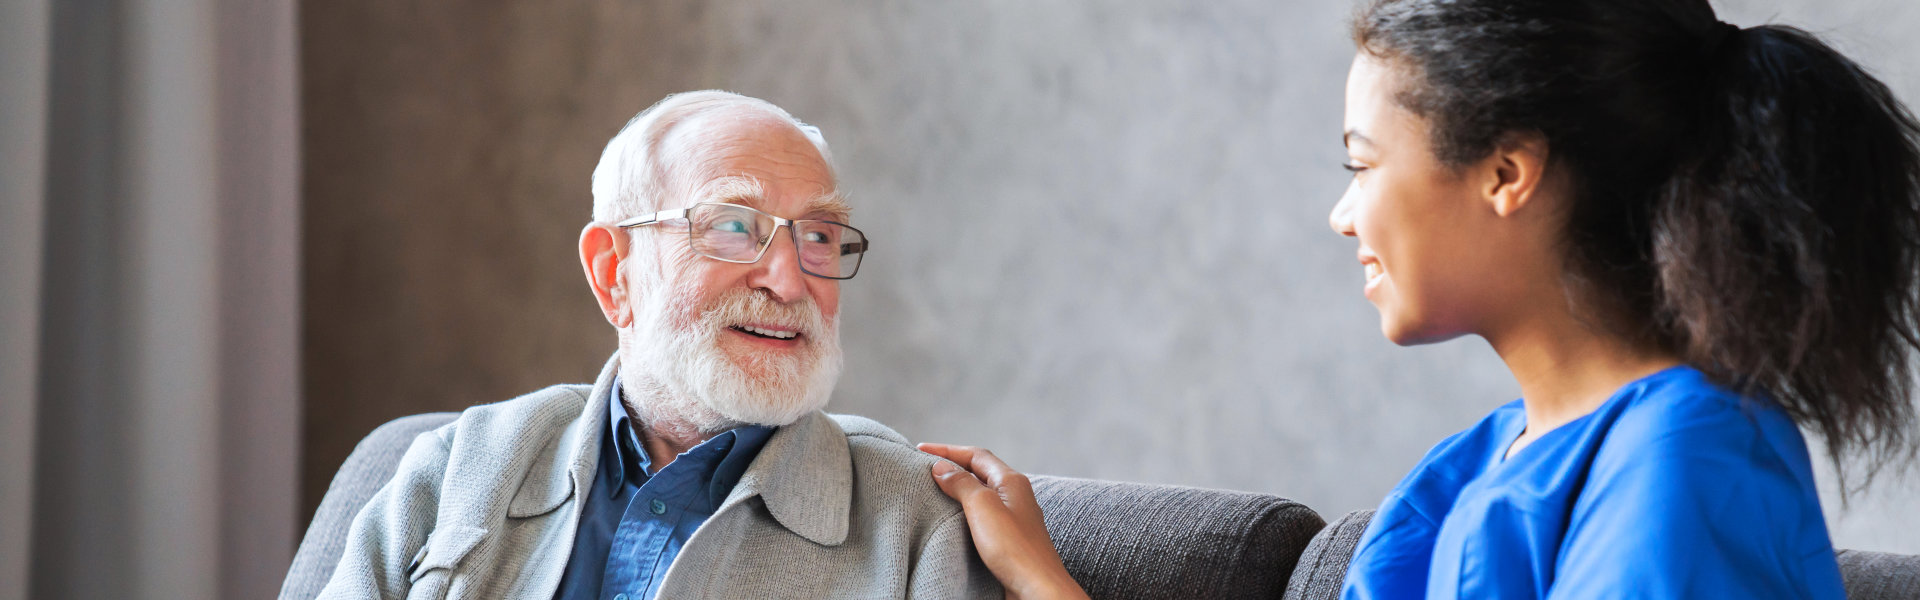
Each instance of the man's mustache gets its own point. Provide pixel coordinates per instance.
(755, 308)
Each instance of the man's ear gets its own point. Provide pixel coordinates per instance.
(1512, 177)
(602, 249)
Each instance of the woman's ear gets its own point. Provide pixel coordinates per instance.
(602, 249)
(1513, 176)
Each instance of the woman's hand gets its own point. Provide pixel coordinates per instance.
(1005, 521)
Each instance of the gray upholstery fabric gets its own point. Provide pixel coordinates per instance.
(1880, 576)
(1130, 540)
(369, 467)
(1323, 566)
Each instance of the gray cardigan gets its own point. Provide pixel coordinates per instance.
(486, 507)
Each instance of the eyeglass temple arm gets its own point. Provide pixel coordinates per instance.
(657, 217)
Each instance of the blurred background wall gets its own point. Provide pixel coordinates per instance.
(1101, 241)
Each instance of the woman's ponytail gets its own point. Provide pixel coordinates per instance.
(1787, 242)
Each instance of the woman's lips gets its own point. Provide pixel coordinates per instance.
(1375, 272)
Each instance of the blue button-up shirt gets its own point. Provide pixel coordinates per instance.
(634, 524)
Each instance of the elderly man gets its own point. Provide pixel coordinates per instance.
(699, 465)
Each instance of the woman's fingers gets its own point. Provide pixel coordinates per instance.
(1012, 487)
(1005, 521)
(996, 473)
(964, 487)
(979, 460)
(980, 498)
(958, 454)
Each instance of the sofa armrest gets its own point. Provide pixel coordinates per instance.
(1133, 540)
(1323, 565)
(372, 463)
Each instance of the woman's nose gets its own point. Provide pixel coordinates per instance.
(1341, 220)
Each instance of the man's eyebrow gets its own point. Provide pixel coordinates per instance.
(738, 190)
(833, 205)
(1354, 135)
(747, 192)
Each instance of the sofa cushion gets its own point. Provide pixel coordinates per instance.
(1132, 540)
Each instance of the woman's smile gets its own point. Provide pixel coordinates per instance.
(1375, 272)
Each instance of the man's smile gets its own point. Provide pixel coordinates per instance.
(767, 334)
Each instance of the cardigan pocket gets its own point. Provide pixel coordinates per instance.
(431, 571)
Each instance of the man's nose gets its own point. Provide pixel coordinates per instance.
(778, 271)
(1341, 220)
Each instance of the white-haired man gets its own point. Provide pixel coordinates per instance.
(699, 465)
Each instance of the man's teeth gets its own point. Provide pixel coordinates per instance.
(785, 335)
(1373, 270)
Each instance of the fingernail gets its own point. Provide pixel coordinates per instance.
(941, 467)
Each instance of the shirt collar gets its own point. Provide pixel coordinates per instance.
(737, 448)
(626, 450)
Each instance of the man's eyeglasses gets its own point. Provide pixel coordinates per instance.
(738, 234)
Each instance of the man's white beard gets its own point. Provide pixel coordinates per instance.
(683, 379)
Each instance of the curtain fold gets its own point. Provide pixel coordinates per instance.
(23, 106)
(150, 313)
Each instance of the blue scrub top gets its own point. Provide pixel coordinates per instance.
(1673, 488)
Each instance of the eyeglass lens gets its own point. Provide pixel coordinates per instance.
(739, 234)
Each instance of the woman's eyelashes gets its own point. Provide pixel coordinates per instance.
(1353, 168)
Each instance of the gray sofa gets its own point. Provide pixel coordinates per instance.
(1120, 540)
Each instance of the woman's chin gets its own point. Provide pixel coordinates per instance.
(1412, 332)
(1397, 334)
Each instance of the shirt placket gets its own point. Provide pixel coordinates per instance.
(654, 511)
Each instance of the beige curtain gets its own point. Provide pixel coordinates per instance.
(148, 298)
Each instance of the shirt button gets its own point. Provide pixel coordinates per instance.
(620, 597)
(659, 508)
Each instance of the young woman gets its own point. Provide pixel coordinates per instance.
(1687, 241)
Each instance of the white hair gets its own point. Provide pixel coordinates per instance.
(632, 176)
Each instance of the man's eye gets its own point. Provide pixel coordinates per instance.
(816, 237)
(731, 226)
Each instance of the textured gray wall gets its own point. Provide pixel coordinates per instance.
(1100, 228)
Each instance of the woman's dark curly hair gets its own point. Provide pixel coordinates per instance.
(1748, 199)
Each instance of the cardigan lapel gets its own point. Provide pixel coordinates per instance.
(565, 468)
(568, 465)
(805, 476)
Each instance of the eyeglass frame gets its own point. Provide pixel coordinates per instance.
(866, 243)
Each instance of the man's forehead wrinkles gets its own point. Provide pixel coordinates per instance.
(785, 177)
(758, 168)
